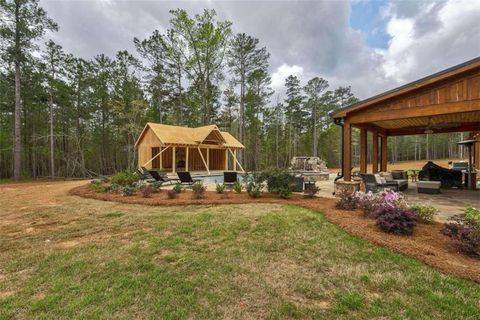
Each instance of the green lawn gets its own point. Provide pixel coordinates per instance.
(99, 260)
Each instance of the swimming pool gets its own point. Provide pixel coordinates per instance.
(215, 178)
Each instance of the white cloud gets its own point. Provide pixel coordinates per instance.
(282, 72)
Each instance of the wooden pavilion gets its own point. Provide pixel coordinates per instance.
(447, 101)
(174, 148)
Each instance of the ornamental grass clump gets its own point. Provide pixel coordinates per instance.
(198, 190)
(253, 184)
(96, 186)
(220, 187)
(237, 187)
(465, 230)
(178, 188)
(127, 191)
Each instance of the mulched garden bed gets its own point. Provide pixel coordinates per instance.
(426, 244)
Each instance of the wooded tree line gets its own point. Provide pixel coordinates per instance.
(62, 115)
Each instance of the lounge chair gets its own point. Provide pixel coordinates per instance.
(229, 178)
(186, 178)
(145, 175)
(162, 178)
(372, 183)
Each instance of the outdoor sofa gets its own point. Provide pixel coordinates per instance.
(376, 182)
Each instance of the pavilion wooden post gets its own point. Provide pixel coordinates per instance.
(186, 158)
(161, 159)
(208, 158)
(375, 152)
(174, 161)
(347, 151)
(226, 160)
(384, 154)
(235, 162)
(363, 150)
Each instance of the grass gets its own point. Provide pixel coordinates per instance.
(78, 258)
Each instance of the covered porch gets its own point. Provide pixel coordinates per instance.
(448, 101)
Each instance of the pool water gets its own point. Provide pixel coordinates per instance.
(215, 178)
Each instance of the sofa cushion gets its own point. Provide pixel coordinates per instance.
(378, 179)
(388, 176)
(398, 175)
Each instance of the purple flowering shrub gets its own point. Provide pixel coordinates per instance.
(370, 202)
(396, 220)
(465, 229)
(347, 201)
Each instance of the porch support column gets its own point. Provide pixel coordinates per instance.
(208, 158)
(375, 152)
(186, 158)
(347, 150)
(363, 150)
(174, 161)
(384, 154)
(161, 159)
(226, 160)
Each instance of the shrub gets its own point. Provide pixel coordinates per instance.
(279, 181)
(424, 213)
(114, 188)
(198, 190)
(253, 184)
(465, 229)
(147, 191)
(127, 191)
(156, 186)
(125, 178)
(311, 191)
(347, 201)
(371, 202)
(96, 186)
(237, 187)
(139, 185)
(396, 220)
(172, 194)
(220, 188)
(178, 188)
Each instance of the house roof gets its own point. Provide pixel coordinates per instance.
(450, 72)
(177, 135)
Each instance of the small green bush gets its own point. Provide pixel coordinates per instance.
(198, 190)
(127, 191)
(279, 181)
(114, 188)
(125, 178)
(220, 188)
(237, 186)
(156, 186)
(178, 188)
(472, 215)
(424, 213)
(311, 191)
(253, 184)
(96, 186)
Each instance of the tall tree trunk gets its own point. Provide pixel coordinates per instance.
(52, 159)
(17, 149)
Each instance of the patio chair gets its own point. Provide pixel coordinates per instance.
(372, 183)
(144, 175)
(162, 178)
(229, 178)
(185, 178)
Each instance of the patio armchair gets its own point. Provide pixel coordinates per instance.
(186, 179)
(229, 178)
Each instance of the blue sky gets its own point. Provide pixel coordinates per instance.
(366, 17)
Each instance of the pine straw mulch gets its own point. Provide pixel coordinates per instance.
(426, 244)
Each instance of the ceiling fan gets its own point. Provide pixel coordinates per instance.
(431, 126)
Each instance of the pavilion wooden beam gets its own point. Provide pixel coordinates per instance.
(347, 151)
(363, 150)
(375, 152)
(371, 127)
(384, 154)
(413, 112)
(469, 126)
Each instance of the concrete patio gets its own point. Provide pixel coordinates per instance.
(449, 202)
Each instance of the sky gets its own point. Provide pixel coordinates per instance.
(371, 46)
